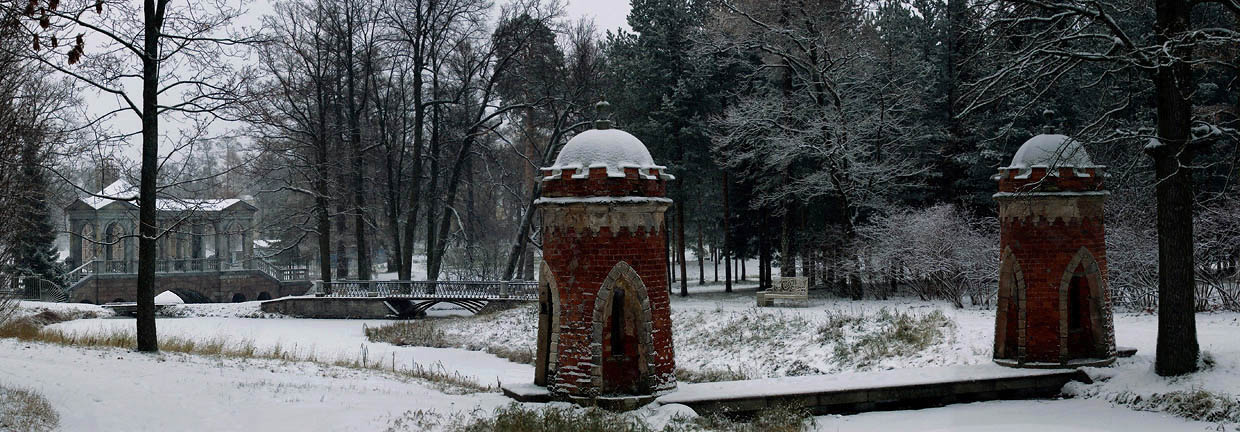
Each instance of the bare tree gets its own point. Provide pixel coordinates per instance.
(179, 55)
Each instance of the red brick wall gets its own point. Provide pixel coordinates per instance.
(580, 262)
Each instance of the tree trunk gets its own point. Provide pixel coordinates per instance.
(320, 189)
(359, 163)
(764, 253)
(147, 216)
(1177, 349)
(701, 256)
(671, 253)
(415, 189)
(714, 259)
(727, 250)
(432, 190)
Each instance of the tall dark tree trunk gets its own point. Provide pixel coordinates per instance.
(743, 275)
(432, 190)
(1177, 326)
(714, 259)
(415, 188)
(321, 191)
(764, 252)
(727, 251)
(359, 163)
(787, 245)
(701, 256)
(147, 217)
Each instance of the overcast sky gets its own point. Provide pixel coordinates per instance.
(607, 14)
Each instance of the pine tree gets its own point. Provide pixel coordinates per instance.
(35, 253)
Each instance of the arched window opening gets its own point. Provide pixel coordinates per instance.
(115, 248)
(617, 322)
(88, 242)
(264, 295)
(1079, 320)
(238, 298)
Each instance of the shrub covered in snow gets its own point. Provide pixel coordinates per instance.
(938, 252)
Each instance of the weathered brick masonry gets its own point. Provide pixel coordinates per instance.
(1054, 303)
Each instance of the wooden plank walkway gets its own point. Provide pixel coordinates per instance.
(848, 393)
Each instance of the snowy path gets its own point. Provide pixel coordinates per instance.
(116, 390)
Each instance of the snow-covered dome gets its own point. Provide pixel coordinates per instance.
(1051, 150)
(613, 149)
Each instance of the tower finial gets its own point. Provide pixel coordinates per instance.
(603, 111)
(1048, 115)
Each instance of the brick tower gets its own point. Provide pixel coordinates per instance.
(1054, 303)
(604, 329)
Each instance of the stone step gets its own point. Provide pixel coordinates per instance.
(849, 393)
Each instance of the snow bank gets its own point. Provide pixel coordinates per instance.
(168, 298)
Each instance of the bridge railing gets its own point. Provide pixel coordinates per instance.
(170, 265)
(483, 290)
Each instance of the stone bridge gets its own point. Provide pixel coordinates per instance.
(193, 281)
(404, 299)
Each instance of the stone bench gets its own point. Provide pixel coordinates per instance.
(789, 288)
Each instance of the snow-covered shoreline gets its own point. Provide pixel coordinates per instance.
(89, 386)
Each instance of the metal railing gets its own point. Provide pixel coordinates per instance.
(482, 290)
(34, 288)
(166, 265)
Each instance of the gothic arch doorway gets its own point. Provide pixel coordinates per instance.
(621, 343)
(1082, 323)
(1009, 334)
(548, 324)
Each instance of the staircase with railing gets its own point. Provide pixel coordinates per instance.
(80, 275)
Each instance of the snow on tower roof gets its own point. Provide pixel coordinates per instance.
(613, 149)
(1051, 151)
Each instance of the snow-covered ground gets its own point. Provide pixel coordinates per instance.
(115, 390)
(100, 389)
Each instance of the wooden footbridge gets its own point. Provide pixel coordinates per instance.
(376, 299)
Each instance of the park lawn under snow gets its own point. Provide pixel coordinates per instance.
(713, 331)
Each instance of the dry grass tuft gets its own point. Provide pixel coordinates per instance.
(429, 333)
(30, 331)
(1200, 405)
(568, 418)
(549, 418)
(26, 410)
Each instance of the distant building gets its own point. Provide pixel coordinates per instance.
(199, 234)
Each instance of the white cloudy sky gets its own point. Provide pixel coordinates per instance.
(607, 15)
